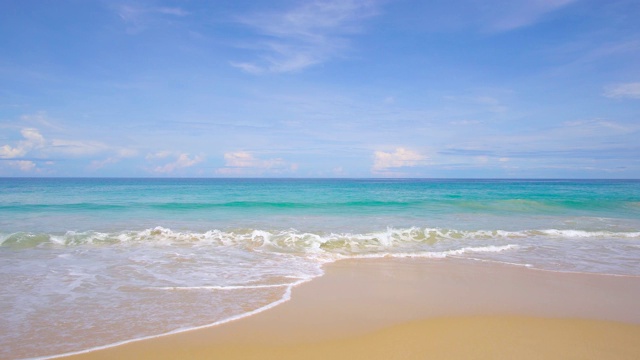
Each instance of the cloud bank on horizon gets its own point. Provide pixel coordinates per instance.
(321, 88)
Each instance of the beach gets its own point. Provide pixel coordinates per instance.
(324, 179)
(171, 268)
(413, 309)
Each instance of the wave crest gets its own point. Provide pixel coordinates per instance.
(293, 241)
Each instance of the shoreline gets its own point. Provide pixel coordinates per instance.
(358, 300)
(286, 297)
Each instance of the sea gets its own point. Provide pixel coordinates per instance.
(87, 263)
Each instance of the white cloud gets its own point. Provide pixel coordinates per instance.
(244, 159)
(32, 140)
(240, 159)
(8, 152)
(306, 35)
(245, 163)
(400, 158)
(627, 90)
(33, 136)
(23, 165)
(34, 144)
(159, 155)
(182, 161)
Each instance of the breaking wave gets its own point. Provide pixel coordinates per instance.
(293, 241)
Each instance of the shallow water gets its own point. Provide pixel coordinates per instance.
(81, 257)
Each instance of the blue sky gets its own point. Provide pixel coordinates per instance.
(469, 88)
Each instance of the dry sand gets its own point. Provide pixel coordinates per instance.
(416, 309)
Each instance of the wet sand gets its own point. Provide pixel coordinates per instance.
(416, 308)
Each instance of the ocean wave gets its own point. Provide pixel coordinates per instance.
(291, 240)
(450, 203)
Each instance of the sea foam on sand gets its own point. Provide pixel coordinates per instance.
(436, 309)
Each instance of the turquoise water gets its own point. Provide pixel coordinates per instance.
(60, 205)
(81, 257)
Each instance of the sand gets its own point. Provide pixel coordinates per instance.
(416, 309)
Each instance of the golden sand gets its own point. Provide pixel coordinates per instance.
(416, 309)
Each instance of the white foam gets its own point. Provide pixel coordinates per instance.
(285, 297)
(499, 262)
(589, 234)
(433, 254)
(218, 287)
(291, 252)
(294, 241)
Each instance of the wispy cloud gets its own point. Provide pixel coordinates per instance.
(246, 159)
(34, 149)
(248, 67)
(23, 165)
(99, 164)
(627, 90)
(39, 119)
(182, 161)
(590, 54)
(516, 14)
(306, 35)
(137, 18)
(76, 147)
(400, 158)
(159, 155)
(175, 11)
(483, 103)
(491, 16)
(589, 140)
(120, 154)
(246, 163)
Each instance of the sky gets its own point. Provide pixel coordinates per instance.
(320, 88)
